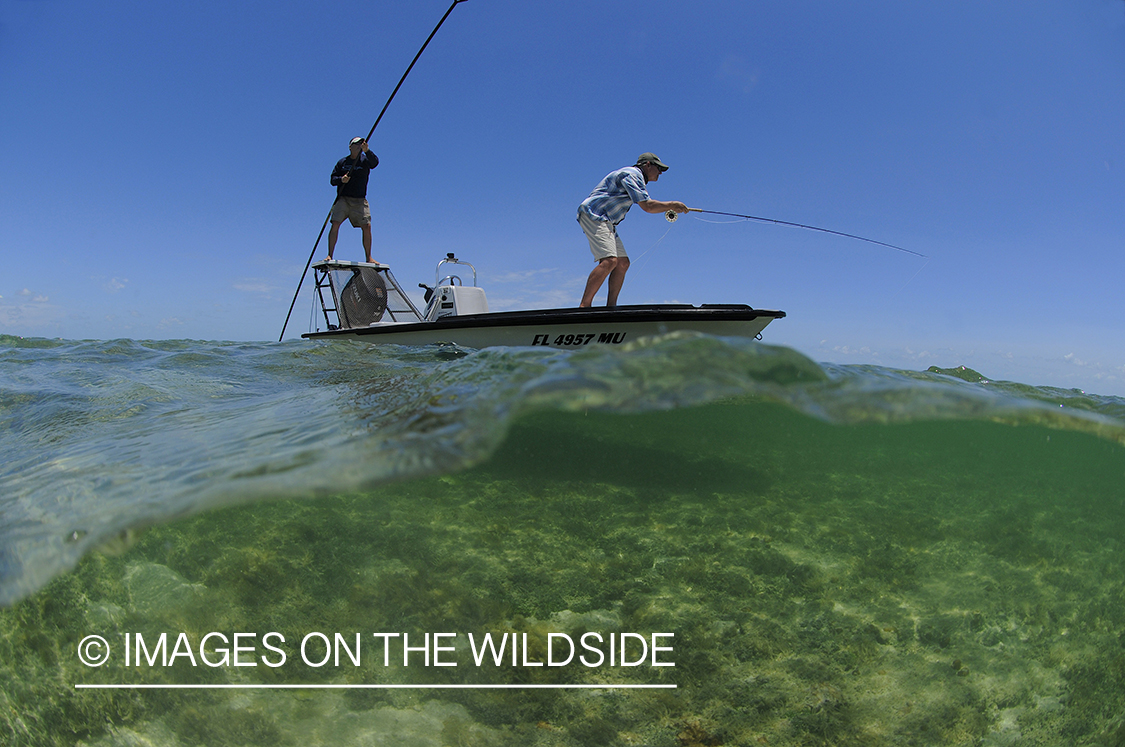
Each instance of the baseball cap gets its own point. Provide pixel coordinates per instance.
(360, 140)
(651, 158)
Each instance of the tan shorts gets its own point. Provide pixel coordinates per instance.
(354, 209)
(604, 241)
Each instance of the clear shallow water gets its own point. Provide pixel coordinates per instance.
(844, 554)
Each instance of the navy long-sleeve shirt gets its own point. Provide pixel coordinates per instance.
(360, 169)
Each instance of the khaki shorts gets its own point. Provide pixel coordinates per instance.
(604, 241)
(354, 209)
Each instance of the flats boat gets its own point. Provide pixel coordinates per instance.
(364, 301)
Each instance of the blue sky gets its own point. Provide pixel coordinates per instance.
(165, 167)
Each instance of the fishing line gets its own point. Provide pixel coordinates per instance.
(312, 314)
(671, 216)
(651, 248)
(369, 134)
(911, 278)
(717, 222)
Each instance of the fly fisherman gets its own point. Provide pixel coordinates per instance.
(350, 179)
(606, 206)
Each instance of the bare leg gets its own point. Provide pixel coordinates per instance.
(367, 242)
(601, 271)
(616, 279)
(333, 233)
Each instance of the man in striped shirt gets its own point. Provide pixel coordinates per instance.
(606, 206)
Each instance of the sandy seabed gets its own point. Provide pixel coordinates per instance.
(953, 583)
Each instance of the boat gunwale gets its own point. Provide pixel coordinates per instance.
(639, 313)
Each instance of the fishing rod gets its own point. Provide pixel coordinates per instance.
(369, 134)
(671, 215)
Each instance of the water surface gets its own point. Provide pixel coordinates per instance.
(842, 554)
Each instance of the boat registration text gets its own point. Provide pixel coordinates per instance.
(579, 339)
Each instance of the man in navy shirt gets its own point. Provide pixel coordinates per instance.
(350, 179)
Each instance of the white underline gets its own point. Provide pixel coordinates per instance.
(383, 687)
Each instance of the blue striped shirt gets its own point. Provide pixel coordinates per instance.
(615, 194)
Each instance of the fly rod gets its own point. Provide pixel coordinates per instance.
(671, 215)
(369, 134)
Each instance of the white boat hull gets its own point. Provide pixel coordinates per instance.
(565, 328)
